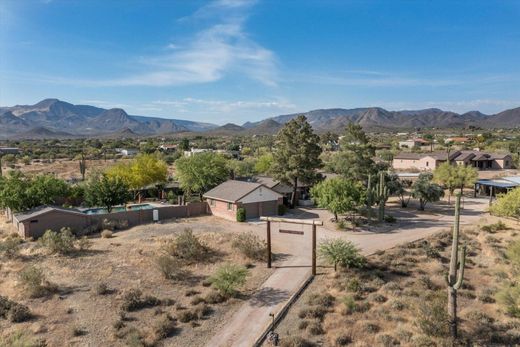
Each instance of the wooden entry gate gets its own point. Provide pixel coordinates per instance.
(314, 223)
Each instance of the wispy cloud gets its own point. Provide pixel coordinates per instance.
(218, 50)
(226, 106)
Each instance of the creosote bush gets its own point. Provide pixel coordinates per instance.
(250, 245)
(432, 316)
(10, 246)
(228, 278)
(134, 301)
(341, 252)
(61, 242)
(186, 246)
(13, 311)
(170, 267)
(33, 280)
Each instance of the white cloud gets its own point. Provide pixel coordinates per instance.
(225, 106)
(484, 105)
(222, 48)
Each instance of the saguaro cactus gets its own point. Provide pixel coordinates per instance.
(456, 275)
(381, 196)
(370, 199)
(82, 166)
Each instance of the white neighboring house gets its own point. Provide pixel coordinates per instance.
(9, 150)
(127, 152)
(417, 142)
(194, 151)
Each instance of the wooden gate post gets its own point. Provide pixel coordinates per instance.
(268, 244)
(314, 249)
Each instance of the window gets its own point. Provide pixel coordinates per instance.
(427, 164)
(230, 206)
(34, 221)
(211, 202)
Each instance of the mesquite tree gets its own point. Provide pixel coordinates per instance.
(456, 275)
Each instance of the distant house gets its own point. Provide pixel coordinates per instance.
(9, 150)
(127, 152)
(168, 148)
(417, 142)
(302, 191)
(194, 151)
(258, 200)
(430, 161)
(457, 140)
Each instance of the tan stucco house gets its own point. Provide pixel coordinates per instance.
(257, 199)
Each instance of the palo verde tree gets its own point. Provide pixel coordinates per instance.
(507, 205)
(338, 195)
(341, 252)
(396, 187)
(446, 175)
(296, 155)
(456, 274)
(426, 191)
(201, 172)
(143, 170)
(106, 191)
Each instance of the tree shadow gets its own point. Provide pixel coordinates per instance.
(268, 296)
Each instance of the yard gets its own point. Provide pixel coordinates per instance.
(91, 288)
(400, 297)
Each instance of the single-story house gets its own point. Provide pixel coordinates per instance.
(430, 161)
(302, 189)
(35, 222)
(257, 199)
(417, 142)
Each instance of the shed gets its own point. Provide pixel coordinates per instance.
(257, 199)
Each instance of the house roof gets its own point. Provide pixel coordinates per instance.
(267, 181)
(232, 190)
(499, 183)
(38, 211)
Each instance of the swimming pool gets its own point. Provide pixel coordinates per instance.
(118, 209)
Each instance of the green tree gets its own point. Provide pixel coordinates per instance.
(201, 172)
(426, 191)
(507, 205)
(341, 252)
(466, 176)
(106, 191)
(396, 187)
(264, 163)
(184, 145)
(47, 189)
(354, 160)
(13, 192)
(338, 195)
(241, 168)
(143, 170)
(296, 155)
(446, 175)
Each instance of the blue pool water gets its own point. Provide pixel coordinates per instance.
(118, 209)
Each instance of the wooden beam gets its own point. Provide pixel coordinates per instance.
(269, 244)
(293, 221)
(314, 249)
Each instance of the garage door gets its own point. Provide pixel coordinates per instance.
(268, 208)
(252, 210)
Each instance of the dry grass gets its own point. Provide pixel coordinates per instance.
(400, 298)
(93, 289)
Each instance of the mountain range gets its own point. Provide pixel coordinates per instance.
(52, 118)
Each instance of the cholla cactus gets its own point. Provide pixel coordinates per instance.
(456, 275)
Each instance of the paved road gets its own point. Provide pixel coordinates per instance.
(294, 254)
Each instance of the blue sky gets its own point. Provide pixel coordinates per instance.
(238, 60)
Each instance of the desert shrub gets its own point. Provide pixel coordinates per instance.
(10, 247)
(509, 298)
(21, 338)
(187, 316)
(386, 340)
(164, 327)
(370, 327)
(343, 340)
(427, 283)
(493, 228)
(341, 224)
(214, 297)
(18, 313)
(84, 243)
(106, 234)
(13, 311)
(376, 297)
(102, 289)
(228, 278)
(315, 312)
(513, 254)
(33, 280)
(350, 305)
(303, 324)
(480, 325)
(281, 210)
(78, 331)
(202, 311)
(323, 300)
(341, 252)
(134, 301)
(187, 247)
(241, 214)
(250, 245)
(197, 300)
(315, 328)
(170, 267)
(134, 338)
(61, 242)
(432, 317)
(431, 252)
(191, 292)
(353, 285)
(295, 341)
(397, 305)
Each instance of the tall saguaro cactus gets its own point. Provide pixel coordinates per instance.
(370, 199)
(456, 274)
(381, 196)
(82, 166)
